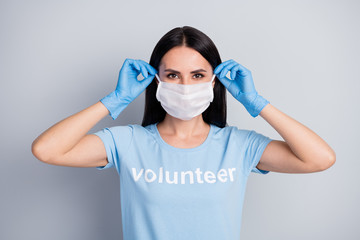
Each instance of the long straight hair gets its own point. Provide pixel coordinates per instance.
(197, 40)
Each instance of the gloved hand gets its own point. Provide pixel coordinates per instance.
(128, 86)
(241, 86)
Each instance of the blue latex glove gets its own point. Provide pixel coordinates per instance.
(128, 86)
(241, 86)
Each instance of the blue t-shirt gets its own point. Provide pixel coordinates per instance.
(170, 193)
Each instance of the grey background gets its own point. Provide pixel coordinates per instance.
(59, 57)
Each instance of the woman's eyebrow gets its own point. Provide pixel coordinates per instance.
(174, 71)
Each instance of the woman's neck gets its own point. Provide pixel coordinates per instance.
(183, 129)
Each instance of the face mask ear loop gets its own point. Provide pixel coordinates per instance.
(213, 78)
(158, 78)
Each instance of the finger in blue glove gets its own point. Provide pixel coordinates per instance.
(128, 86)
(241, 86)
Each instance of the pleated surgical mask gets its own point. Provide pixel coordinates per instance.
(185, 101)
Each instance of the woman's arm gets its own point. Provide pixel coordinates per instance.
(57, 144)
(303, 150)
(67, 144)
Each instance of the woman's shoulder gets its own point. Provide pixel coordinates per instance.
(228, 129)
(230, 132)
(131, 128)
(140, 130)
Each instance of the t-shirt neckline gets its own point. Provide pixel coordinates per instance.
(170, 147)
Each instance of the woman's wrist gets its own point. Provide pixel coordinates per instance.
(254, 103)
(115, 103)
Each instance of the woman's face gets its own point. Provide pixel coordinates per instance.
(184, 65)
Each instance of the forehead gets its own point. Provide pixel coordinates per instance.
(183, 58)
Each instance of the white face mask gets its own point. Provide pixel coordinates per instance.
(185, 101)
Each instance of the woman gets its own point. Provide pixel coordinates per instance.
(183, 173)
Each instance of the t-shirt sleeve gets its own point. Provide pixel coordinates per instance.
(116, 141)
(256, 144)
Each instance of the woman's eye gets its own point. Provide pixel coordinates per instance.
(199, 75)
(171, 75)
